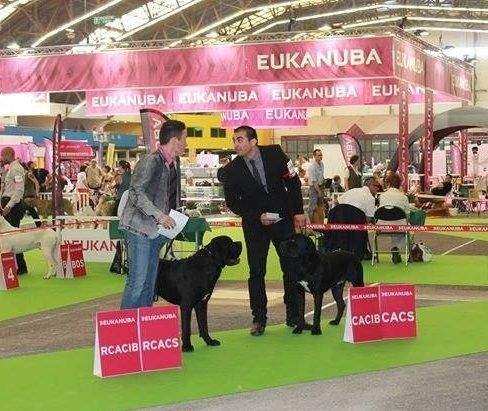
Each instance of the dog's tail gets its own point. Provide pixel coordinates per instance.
(355, 273)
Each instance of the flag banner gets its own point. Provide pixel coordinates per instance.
(403, 155)
(152, 121)
(349, 146)
(428, 138)
(456, 160)
(56, 190)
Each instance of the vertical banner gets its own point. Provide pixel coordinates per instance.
(428, 138)
(56, 192)
(463, 144)
(152, 121)
(456, 160)
(403, 156)
(110, 155)
(349, 146)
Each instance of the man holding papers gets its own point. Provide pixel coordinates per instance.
(151, 196)
(262, 186)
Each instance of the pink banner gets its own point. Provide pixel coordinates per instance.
(72, 150)
(463, 144)
(269, 62)
(251, 96)
(349, 146)
(409, 62)
(151, 121)
(403, 155)
(269, 118)
(456, 160)
(428, 138)
(449, 78)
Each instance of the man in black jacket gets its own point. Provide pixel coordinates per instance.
(262, 186)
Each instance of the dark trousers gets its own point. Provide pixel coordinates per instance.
(14, 217)
(257, 242)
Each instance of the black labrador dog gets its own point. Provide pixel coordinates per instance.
(318, 272)
(190, 282)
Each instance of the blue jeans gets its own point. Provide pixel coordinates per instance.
(143, 256)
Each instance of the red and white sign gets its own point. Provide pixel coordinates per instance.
(270, 118)
(72, 261)
(96, 243)
(72, 149)
(160, 338)
(363, 316)
(382, 312)
(8, 268)
(397, 304)
(117, 349)
(137, 340)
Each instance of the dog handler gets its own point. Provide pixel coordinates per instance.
(11, 197)
(151, 195)
(259, 181)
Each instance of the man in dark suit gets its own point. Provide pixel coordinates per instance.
(262, 186)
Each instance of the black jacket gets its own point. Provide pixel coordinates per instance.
(246, 198)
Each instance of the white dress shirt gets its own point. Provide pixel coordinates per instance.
(360, 198)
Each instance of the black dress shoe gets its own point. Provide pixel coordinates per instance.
(293, 324)
(257, 329)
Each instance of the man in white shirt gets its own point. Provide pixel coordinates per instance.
(363, 197)
(316, 189)
(12, 206)
(394, 197)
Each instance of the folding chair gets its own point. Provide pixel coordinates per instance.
(119, 264)
(473, 203)
(389, 214)
(193, 232)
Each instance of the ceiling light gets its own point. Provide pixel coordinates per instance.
(325, 27)
(212, 34)
(421, 33)
(13, 46)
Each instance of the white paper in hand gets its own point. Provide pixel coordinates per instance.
(180, 220)
(273, 216)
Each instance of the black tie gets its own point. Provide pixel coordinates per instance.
(172, 186)
(255, 173)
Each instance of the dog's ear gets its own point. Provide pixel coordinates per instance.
(289, 248)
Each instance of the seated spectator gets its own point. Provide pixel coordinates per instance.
(394, 197)
(363, 197)
(443, 187)
(336, 186)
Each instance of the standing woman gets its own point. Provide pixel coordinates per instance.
(352, 178)
(121, 181)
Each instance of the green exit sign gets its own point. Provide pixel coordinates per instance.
(102, 20)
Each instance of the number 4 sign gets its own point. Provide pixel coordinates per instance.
(8, 269)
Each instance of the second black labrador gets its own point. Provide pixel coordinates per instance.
(190, 282)
(318, 272)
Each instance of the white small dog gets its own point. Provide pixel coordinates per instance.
(45, 239)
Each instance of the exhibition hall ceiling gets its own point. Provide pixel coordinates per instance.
(90, 25)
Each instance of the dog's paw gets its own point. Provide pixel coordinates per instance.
(47, 277)
(334, 322)
(187, 348)
(316, 331)
(213, 343)
(297, 330)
